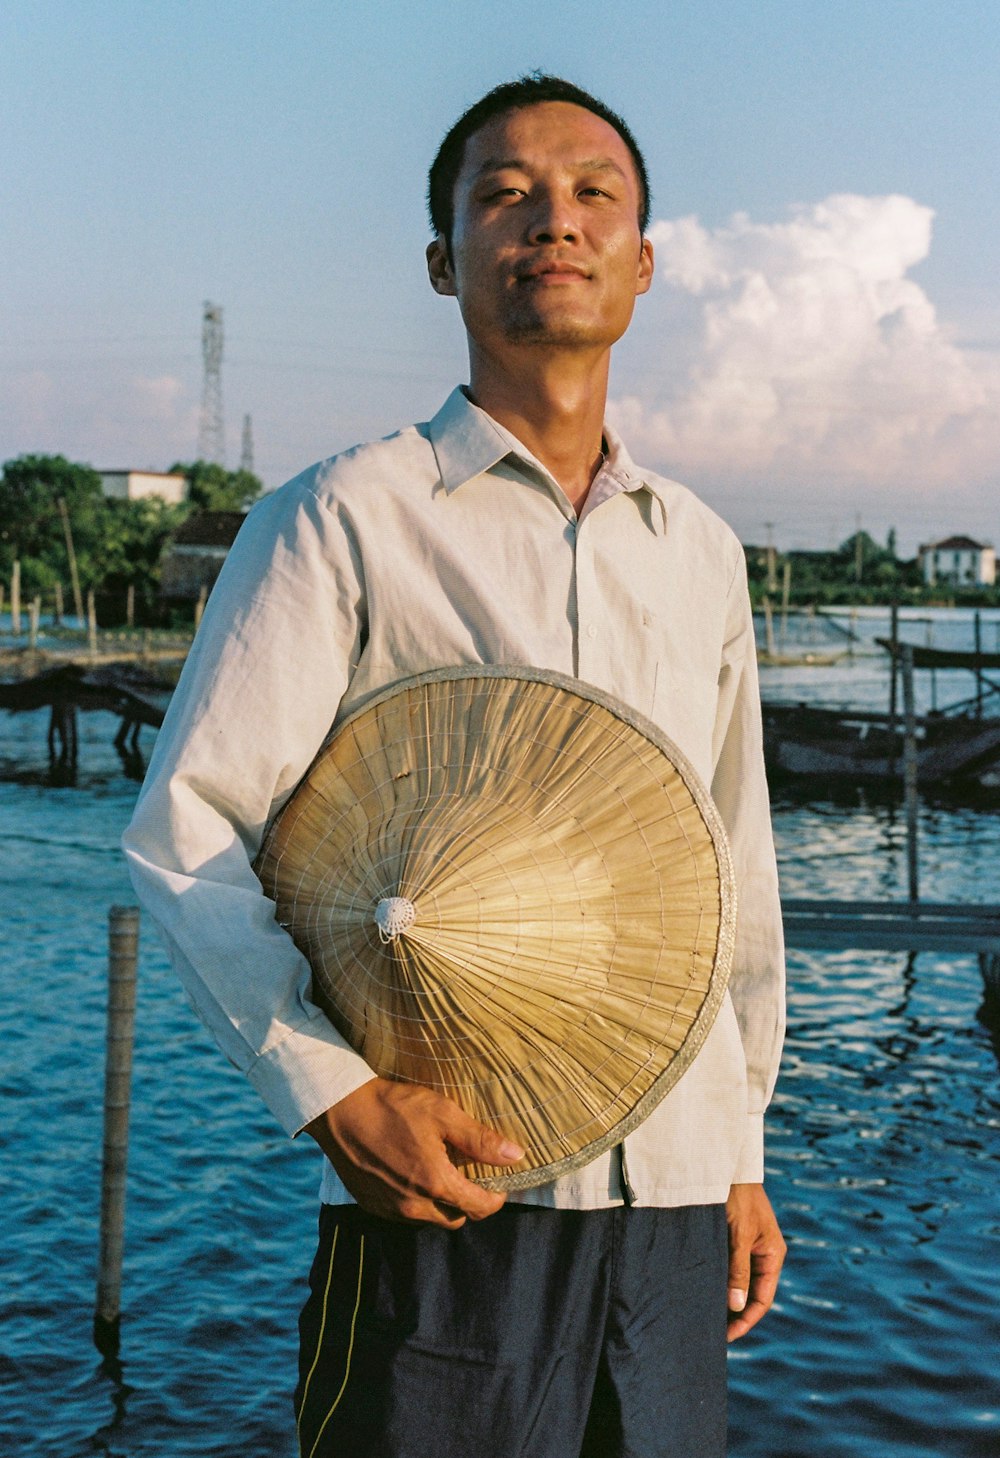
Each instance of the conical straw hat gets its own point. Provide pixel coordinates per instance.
(512, 889)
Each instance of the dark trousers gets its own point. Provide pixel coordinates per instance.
(533, 1334)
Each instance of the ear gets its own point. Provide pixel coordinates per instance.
(439, 268)
(644, 277)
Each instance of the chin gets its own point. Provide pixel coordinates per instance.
(560, 333)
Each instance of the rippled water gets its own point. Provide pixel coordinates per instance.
(884, 1162)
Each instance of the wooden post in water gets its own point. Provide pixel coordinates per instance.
(34, 613)
(92, 624)
(768, 626)
(893, 682)
(123, 952)
(910, 774)
(57, 616)
(74, 576)
(977, 625)
(929, 640)
(15, 597)
(786, 593)
(130, 606)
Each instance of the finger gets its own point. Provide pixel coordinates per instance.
(763, 1289)
(739, 1272)
(479, 1143)
(416, 1210)
(423, 1212)
(761, 1298)
(747, 1318)
(764, 1281)
(463, 1196)
(432, 1190)
(736, 1296)
(406, 1208)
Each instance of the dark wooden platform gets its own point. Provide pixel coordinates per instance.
(924, 926)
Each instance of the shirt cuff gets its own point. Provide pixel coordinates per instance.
(309, 1071)
(750, 1165)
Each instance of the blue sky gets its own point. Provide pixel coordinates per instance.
(822, 338)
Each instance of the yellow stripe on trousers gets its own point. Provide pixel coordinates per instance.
(350, 1346)
(319, 1343)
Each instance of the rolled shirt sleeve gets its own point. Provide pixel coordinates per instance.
(258, 695)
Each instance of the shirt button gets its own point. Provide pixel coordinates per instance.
(592, 631)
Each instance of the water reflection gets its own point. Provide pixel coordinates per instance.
(112, 1375)
(883, 1161)
(132, 759)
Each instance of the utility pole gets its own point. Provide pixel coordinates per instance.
(211, 430)
(772, 564)
(246, 454)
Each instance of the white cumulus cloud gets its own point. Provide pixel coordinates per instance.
(804, 351)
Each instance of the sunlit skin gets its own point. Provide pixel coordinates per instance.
(546, 262)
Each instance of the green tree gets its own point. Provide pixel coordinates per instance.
(31, 526)
(134, 537)
(212, 488)
(860, 543)
(117, 543)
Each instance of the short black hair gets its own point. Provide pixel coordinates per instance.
(528, 90)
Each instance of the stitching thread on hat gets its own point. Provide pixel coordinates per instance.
(393, 915)
(574, 902)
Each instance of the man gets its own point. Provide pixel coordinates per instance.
(588, 1316)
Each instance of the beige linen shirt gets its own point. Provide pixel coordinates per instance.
(450, 544)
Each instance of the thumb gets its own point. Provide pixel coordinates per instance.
(485, 1146)
(739, 1280)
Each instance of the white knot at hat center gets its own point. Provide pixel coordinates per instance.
(394, 914)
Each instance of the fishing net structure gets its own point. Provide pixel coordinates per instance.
(511, 889)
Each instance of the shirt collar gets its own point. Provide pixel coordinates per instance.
(467, 442)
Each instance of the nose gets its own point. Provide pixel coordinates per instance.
(552, 219)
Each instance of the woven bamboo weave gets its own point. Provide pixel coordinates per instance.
(512, 889)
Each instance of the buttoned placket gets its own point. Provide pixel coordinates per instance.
(591, 665)
(589, 645)
(590, 633)
(589, 628)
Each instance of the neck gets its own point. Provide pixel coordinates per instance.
(555, 409)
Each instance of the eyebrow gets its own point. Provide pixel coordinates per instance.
(589, 164)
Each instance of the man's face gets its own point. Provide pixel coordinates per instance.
(546, 248)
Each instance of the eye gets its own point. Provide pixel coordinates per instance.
(594, 192)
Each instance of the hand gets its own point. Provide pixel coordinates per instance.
(756, 1254)
(389, 1143)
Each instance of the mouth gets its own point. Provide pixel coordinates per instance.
(555, 272)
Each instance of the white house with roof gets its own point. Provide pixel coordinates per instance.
(135, 485)
(959, 562)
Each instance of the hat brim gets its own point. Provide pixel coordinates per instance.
(572, 893)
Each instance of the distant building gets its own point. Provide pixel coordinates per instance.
(958, 562)
(193, 557)
(136, 485)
